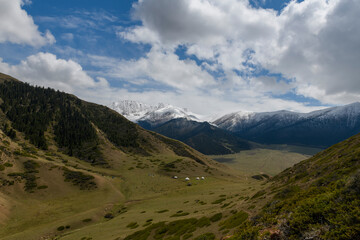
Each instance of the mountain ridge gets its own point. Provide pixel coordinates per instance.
(202, 136)
(320, 128)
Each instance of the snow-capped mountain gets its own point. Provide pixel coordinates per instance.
(151, 114)
(319, 128)
(180, 124)
(165, 114)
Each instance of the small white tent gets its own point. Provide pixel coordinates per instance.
(187, 179)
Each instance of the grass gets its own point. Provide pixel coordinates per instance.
(261, 161)
(234, 221)
(130, 196)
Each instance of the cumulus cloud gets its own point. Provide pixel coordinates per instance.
(45, 69)
(316, 43)
(158, 65)
(16, 26)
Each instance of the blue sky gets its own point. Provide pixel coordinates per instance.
(210, 56)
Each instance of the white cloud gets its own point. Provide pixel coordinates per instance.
(16, 26)
(45, 69)
(159, 65)
(314, 42)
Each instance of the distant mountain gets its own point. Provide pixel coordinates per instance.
(180, 124)
(154, 115)
(319, 128)
(202, 136)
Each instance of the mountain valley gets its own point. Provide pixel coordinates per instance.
(71, 169)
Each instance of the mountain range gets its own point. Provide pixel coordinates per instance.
(180, 124)
(319, 129)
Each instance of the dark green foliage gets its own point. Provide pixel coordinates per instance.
(171, 230)
(84, 181)
(287, 192)
(216, 217)
(261, 177)
(203, 222)
(31, 166)
(33, 110)
(132, 225)
(187, 235)
(9, 131)
(180, 214)
(218, 201)
(87, 220)
(206, 236)
(109, 216)
(5, 182)
(2, 167)
(162, 211)
(29, 175)
(7, 164)
(61, 228)
(118, 129)
(234, 221)
(144, 234)
(258, 194)
(76, 134)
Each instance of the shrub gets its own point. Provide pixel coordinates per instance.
(216, 217)
(234, 221)
(7, 164)
(109, 216)
(132, 225)
(218, 201)
(61, 228)
(84, 181)
(206, 236)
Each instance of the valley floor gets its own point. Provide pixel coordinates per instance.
(122, 205)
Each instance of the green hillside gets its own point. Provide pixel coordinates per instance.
(318, 198)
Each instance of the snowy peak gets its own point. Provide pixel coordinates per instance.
(318, 128)
(167, 113)
(133, 110)
(232, 120)
(153, 114)
(350, 110)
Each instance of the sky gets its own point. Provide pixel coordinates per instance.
(209, 56)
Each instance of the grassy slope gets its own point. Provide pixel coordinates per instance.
(316, 199)
(138, 194)
(135, 177)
